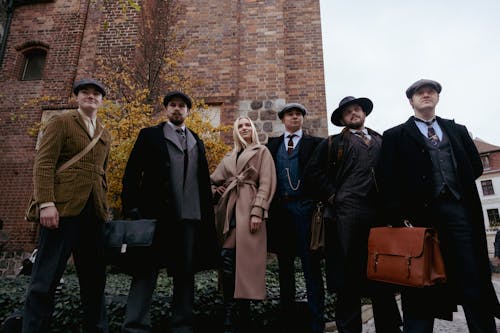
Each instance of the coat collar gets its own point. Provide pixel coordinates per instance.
(245, 156)
(306, 145)
(414, 132)
(171, 136)
(445, 124)
(79, 120)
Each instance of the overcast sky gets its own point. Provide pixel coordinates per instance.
(376, 49)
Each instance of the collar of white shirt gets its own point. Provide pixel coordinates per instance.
(183, 127)
(364, 130)
(297, 133)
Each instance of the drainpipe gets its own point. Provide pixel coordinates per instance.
(10, 11)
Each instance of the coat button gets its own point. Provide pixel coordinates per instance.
(424, 177)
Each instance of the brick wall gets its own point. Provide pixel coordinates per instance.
(254, 56)
(251, 56)
(59, 26)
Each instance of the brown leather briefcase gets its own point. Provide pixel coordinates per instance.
(407, 256)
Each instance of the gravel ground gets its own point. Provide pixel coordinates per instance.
(458, 325)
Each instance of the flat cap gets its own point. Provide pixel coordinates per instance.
(179, 94)
(88, 82)
(290, 106)
(419, 84)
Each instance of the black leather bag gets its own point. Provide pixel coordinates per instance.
(128, 244)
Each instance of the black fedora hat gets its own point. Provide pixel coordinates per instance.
(290, 106)
(88, 82)
(419, 84)
(364, 102)
(179, 94)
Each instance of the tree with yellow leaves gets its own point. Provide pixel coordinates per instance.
(136, 93)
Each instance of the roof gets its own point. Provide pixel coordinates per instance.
(485, 147)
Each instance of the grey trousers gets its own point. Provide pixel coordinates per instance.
(138, 313)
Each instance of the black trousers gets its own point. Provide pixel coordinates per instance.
(461, 262)
(81, 236)
(348, 311)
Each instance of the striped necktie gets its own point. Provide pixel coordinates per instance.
(431, 133)
(363, 136)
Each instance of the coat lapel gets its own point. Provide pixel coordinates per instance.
(305, 147)
(80, 122)
(171, 136)
(191, 141)
(446, 126)
(245, 156)
(274, 145)
(411, 128)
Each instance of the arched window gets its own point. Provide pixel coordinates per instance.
(34, 62)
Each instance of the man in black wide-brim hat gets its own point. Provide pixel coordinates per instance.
(341, 174)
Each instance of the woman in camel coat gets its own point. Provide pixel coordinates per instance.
(244, 184)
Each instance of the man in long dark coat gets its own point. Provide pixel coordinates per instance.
(167, 178)
(427, 174)
(341, 173)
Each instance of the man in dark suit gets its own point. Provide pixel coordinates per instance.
(73, 207)
(427, 175)
(290, 218)
(167, 178)
(341, 174)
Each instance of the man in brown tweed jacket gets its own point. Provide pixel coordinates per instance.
(73, 209)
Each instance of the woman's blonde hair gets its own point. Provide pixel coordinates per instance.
(239, 142)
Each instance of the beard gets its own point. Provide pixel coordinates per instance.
(355, 125)
(176, 119)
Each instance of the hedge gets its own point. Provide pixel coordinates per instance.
(208, 301)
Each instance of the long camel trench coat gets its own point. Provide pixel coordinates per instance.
(250, 182)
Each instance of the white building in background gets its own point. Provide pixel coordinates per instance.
(488, 186)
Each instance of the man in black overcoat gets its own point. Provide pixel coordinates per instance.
(341, 174)
(290, 219)
(167, 178)
(427, 176)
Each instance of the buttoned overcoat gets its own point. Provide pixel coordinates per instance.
(405, 179)
(147, 187)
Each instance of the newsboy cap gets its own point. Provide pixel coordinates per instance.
(169, 96)
(364, 102)
(419, 84)
(290, 106)
(88, 82)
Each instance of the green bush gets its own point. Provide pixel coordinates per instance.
(208, 301)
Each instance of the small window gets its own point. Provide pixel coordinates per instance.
(493, 217)
(486, 161)
(34, 61)
(487, 186)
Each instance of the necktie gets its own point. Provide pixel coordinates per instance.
(363, 136)
(431, 133)
(182, 137)
(91, 127)
(183, 141)
(289, 146)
